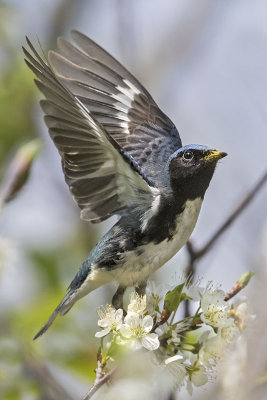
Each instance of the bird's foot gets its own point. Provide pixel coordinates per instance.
(141, 289)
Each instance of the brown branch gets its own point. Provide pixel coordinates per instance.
(99, 381)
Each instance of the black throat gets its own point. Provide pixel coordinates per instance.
(186, 187)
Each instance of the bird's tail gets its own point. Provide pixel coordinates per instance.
(61, 309)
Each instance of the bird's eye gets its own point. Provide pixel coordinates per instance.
(188, 155)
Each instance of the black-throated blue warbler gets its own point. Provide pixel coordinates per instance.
(121, 155)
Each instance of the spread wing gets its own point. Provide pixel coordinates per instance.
(117, 101)
(102, 177)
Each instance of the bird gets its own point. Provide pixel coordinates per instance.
(121, 155)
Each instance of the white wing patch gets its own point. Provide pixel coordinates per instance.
(129, 92)
(151, 212)
(124, 125)
(131, 86)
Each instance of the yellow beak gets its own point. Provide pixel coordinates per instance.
(214, 155)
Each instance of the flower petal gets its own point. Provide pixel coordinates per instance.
(137, 303)
(178, 372)
(199, 377)
(132, 319)
(147, 323)
(194, 292)
(150, 341)
(118, 315)
(104, 323)
(215, 298)
(125, 330)
(173, 358)
(102, 333)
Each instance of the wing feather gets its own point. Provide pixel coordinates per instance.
(117, 100)
(102, 177)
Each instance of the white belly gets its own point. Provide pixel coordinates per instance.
(137, 268)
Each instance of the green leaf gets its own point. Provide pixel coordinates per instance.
(174, 297)
(184, 296)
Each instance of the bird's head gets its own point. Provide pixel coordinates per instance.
(191, 169)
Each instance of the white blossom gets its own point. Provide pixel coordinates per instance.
(137, 329)
(199, 376)
(204, 333)
(111, 320)
(230, 333)
(176, 368)
(173, 358)
(187, 356)
(193, 290)
(212, 350)
(215, 309)
(241, 311)
(137, 303)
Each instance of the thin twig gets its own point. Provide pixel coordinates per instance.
(98, 383)
(99, 372)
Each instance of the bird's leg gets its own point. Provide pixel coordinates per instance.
(141, 288)
(117, 299)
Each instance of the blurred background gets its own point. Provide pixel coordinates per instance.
(205, 65)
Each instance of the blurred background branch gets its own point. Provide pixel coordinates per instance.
(50, 387)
